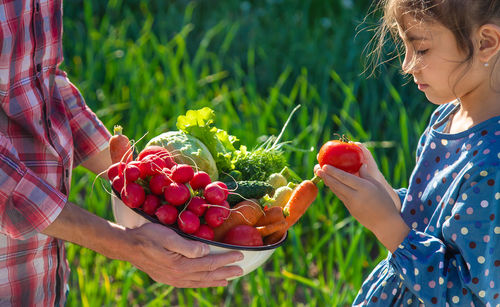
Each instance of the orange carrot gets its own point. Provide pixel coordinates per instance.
(270, 216)
(302, 197)
(119, 146)
(271, 228)
(246, 212)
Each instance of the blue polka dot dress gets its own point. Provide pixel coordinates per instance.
(451, 257)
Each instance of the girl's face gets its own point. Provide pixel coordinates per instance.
(434, 60)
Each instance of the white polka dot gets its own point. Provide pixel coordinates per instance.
(497, 230)
(409, 301)
(455, 299)
(414, 225)
(416, 272)
(483, 173)
(441, 280)
(482, 293)
(497, 195)
(444, 142)
(464, 230)
(484, 204)
(481, 259)
(464, 196)
(479, 143)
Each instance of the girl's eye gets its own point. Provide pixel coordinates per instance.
(422, 52)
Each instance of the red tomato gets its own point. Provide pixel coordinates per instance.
(243, 235)
(346, 156)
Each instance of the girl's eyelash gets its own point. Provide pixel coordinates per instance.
(422, 52)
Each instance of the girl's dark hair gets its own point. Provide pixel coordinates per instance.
(461, 17)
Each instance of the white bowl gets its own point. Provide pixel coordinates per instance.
(254, 256)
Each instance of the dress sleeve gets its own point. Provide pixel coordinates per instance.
(89, 133)
(402, 193)
(28, 204)
(462, 264)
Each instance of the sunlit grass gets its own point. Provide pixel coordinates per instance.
(143, 63)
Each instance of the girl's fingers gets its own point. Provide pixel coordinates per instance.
(350, 180)
(338, 188)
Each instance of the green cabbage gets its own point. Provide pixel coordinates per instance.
(187, 149)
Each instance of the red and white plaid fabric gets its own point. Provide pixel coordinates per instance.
(46, 129)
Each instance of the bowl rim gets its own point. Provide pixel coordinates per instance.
(214, 243)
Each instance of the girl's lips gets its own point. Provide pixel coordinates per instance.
(422, 87)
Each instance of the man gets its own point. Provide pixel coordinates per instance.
(46, 130)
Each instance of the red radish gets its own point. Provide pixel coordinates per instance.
(176, 193)
(119, 146)
(200, 180)
(151, 203)
(150, 150)
(158, 182)
(118, 183)
(223, 186)
(214, 194)
(115, 170)
(158, 151)
(182, 173)
(188, 222)
(197, 205)
(243, 235)
(205, 232)
(152, 164)
(131, 172)
(226, 211)
(133, 195)
(215, 216)
(167, 214)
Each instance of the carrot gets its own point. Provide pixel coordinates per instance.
(302, 197)
(271, 228)
(270, 216)
(246, 212)
(119, 146)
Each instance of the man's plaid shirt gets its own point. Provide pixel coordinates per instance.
(46, 129)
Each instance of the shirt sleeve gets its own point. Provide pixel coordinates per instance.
(28, 204)
(89, 133)
(462, 265)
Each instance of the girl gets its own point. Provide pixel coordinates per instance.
(443, 231)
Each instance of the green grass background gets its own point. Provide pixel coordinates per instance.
(142, 63)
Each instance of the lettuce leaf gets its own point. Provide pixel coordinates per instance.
(201, 124)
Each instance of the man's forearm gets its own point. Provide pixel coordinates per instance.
(81, 227)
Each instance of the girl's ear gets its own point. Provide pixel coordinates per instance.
(489, 42)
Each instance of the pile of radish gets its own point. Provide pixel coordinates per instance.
(174, 193)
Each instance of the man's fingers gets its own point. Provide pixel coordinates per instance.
(222, 273)
(210, 262)
(175, 243)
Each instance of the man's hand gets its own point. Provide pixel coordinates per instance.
(368, 201)
(156, 250)
(170, 259)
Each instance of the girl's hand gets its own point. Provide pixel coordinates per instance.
(373, 171)
(368, 201)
